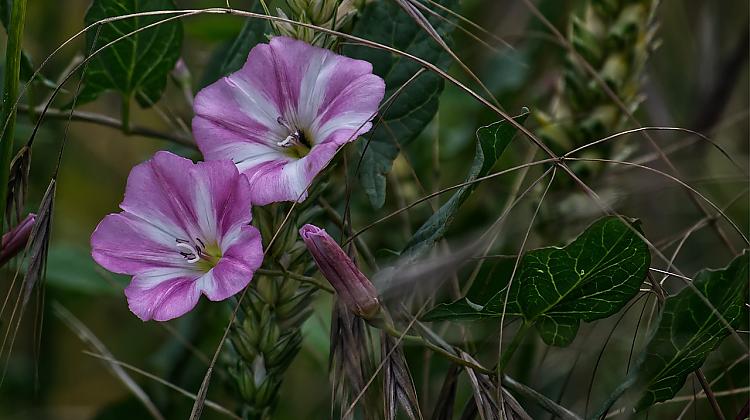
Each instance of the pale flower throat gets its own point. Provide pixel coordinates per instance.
(298, 143)
(203, 256)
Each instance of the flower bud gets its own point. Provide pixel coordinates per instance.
(353, 288)
(15, 240)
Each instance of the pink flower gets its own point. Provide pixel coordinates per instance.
(353, 288)
(184, 230)
(282, 117)
(15, 240)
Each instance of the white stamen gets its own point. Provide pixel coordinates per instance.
(289, 141)
(190, 250)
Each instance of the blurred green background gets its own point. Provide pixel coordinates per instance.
(687, 85)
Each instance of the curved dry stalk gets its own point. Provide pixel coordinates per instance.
(456, 26)
(409, 7)
(88, 337)
(468, 21)
(640, 129)
(697, 226)
(675, 179)
(218, 408)
(442, 191)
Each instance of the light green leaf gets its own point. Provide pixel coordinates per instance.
(688, 332)
(138, 65)
(385, 22)
(491, 143)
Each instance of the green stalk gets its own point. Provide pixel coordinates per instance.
(508, 353)
(10, 94)
(125, 114)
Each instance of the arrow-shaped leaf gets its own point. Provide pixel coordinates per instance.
(591, 278)
(491, 143)
(687, 333)
(407, 116)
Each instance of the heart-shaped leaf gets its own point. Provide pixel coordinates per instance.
(491, 143)
(688, 331)
(138, 65)
(556, 288)
(385, 22)
(591, 278)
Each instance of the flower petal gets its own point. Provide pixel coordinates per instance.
(161, 294)
(127, 244)
(289, 181)
(178, 196)
(285, 85)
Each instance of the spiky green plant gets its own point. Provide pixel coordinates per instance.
(266, 335)
(614, 38)
(331, 14)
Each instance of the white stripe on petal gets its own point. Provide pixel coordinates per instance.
(155, 276)
(254, 103)
(204, 206)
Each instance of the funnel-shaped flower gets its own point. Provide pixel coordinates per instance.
(184, 231)
(353, 288)
(15, 240)
(282, 117)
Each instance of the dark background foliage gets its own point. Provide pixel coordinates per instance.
(698, 78)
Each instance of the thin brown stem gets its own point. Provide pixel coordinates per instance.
(709, 394)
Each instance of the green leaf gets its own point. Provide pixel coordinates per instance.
(485, 297)
(138, 65)
(492, 141)
(688, 332)
(385, 22)
(231, 56)
(557, 288)
(591, 278)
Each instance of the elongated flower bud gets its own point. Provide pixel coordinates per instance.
(15, 240)
(353, 288)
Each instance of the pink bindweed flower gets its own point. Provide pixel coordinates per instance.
(353, 288)
(15, 240)
(184, 230)
(282, 117)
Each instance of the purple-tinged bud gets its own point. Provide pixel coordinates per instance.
(15, 240)
(353, 288)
